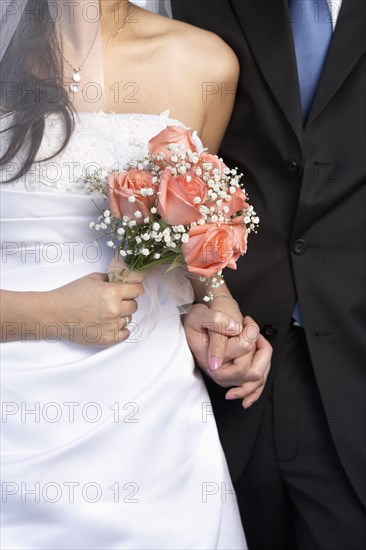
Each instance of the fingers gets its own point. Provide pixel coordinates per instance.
(222, 350)
(203, 319)
(219, 326)
(255, 379)
(128, 291)
(127, 307)
(126, 319)
(216, 350)
(234, 374)
(243, 343)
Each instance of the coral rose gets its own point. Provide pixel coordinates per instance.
(236, 203)
(122, 186)
(212, 247)
(172, 135)
(177, 198)
(211, 162)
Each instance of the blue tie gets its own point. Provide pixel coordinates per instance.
(312, 31)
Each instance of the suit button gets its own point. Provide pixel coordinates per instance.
(292, 165)
(269, 331)
(299, 247)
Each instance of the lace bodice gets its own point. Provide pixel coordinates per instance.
(99, 141)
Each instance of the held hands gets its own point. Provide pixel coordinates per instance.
(92, 311)
(229, 349)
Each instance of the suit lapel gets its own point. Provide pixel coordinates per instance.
(267, 29)
(346, 48)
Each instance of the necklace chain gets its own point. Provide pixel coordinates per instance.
(74, 86)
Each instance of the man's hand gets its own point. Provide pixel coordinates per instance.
(234, 354)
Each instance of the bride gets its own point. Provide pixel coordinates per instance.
(108, 438)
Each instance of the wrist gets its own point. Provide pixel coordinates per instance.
(223, 297)
(226, 304)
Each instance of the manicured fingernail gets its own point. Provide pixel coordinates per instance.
(231, 397)
(247, 405)
(232, 325)
(215, 363)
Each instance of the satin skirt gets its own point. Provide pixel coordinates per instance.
(103, 448)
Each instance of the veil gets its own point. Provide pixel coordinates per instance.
(51, 62)
(10, 15)
(163, 7)
(12, 12)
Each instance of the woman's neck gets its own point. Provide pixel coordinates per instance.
(81, 21)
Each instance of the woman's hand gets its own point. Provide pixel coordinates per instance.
(92, 311)
(88, 311)
(234, 354)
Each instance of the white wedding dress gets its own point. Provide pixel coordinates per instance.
(102, 448)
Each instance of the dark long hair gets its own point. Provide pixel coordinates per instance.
(32, 86)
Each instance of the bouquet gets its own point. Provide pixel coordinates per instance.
(175, 206)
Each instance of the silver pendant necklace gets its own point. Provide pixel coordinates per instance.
(76, 76)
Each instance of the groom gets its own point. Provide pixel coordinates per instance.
(297, 456)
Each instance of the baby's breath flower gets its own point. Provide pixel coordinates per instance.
(156, 256)
(131, 199)
(110, 244)
(153, 210)
(185, 238)
(156, 226)
(138, 214)
(145, 251)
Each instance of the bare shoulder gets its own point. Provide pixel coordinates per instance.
(205, 53)
(208, 51)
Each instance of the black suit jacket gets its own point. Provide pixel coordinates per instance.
(307, 185)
